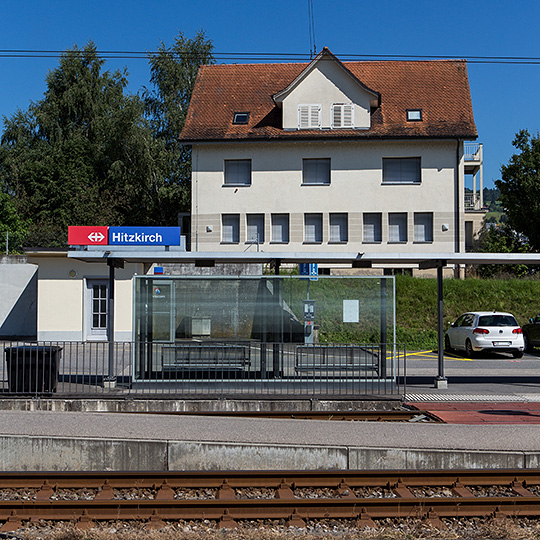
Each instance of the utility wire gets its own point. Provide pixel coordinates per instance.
(277, 57)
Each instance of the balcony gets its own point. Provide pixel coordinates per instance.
(473, 157)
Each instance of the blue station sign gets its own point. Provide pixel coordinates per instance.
(144, 236)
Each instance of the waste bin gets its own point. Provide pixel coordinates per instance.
(33, 369)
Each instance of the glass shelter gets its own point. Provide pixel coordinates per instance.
(263, 327)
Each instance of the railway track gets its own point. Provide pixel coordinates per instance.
(402, 415)
(295, 497)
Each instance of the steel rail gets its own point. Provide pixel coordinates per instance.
(366, 416)
(515, 497)
(240, 509)
(268, 479)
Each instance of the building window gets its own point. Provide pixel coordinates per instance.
(342, 115)
(255, 228)
(312, 228)
(372, 228)
(241, 118)
(397, 227)
(238, 172)
(309, 116)
(423, 227)
(280, 228)
(339, 228)
(401, 170)
(316, 171)
(414, 115)
(230, 228)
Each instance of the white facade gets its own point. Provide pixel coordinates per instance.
(65, 304)
(356, 192)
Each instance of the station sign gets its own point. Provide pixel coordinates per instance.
(309, 269)
(88, 236)
(124, 236)
(144, 236)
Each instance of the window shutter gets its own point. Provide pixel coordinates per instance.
(397, 227)
(423, 227)
(230, 228)
(342, 115)
(309, 116)
(280, 228)
(338, 228)
(313, 228)
(372, 228)
(255, 228)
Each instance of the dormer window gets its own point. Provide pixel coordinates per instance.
(342, 115)
(241, 118)
(309, 116)
(414, 115)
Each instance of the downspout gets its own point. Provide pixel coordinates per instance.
(459, 193)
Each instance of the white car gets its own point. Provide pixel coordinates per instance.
(485, 330)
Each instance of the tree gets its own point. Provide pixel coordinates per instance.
(173, 73)
(13, 229)
(520, 188)
(503, 239)
(83, 155)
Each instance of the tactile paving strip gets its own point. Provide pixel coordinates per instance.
(474, 397)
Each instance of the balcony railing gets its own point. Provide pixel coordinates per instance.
(472, 151)
(472, 201)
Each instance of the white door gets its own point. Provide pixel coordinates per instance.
(97, 309)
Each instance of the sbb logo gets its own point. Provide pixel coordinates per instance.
(86, 236)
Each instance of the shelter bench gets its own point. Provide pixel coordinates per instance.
(205, 357)
(336, 358)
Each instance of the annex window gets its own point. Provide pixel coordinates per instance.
(414, 115)
(397, 227)
(280, 228)
(230, 228)
(342, 115)
(309, 116)
(241, 118)
(255, 228)
(339, 228)
(238, 172)
(316, 171)
(423, 227)
(372, 228)
(312, 228)
(401, 170)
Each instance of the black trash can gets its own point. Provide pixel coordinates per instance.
(33, 369)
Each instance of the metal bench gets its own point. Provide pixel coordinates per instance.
(205, 357)
(337, 358)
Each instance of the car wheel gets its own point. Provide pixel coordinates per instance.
(469, 353)
(527, 343)
(447, 346)
(517, 354)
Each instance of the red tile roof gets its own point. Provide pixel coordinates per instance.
(440, 88)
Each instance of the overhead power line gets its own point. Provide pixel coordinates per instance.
(273, 56)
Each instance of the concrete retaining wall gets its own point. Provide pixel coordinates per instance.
(26, 453)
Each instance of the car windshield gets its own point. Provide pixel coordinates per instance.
(497, 320)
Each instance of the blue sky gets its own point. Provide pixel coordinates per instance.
(505, 97)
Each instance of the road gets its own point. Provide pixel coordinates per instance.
(489, 373)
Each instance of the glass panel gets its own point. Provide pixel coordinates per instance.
(255, 228)
(338, 228)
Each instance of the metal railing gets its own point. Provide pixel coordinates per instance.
(472, 151)
(201, 369)
(472, 201)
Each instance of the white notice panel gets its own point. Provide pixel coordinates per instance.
(351, 311)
